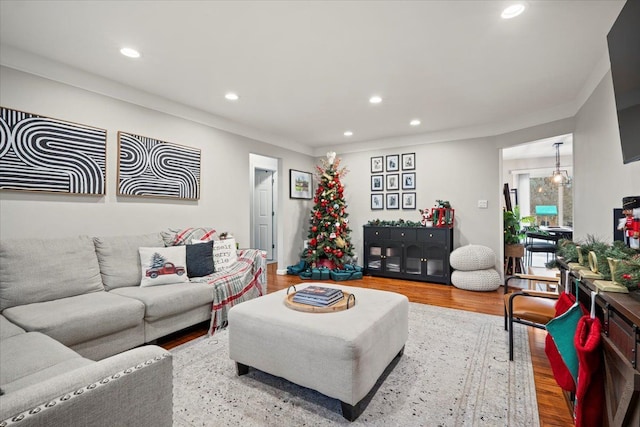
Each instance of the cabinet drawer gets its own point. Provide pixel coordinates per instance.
(433, 235)
(376, 233)
(623, 335)
(405, 234)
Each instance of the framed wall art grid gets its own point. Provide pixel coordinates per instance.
(39, 153)
(149, 167)
(388, 173)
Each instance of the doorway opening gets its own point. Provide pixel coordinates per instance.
(264, 202)
(530, 168)
(540, 177)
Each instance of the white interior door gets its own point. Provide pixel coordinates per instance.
(263, 211)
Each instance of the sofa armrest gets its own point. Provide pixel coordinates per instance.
(131, 387)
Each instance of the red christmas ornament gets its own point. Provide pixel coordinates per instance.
(339, 253)
(314, 229)
(313, 242)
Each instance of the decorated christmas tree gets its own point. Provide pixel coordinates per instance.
(329, 240)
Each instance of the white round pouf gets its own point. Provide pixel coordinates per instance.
(478, 280)
(472, 257)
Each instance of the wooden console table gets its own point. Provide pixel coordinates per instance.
(620, 317)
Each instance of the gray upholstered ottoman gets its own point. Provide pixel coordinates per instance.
(340, 354)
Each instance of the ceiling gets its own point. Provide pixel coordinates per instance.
(541, 148)
(305, 70)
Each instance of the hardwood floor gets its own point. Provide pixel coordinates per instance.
(552, 406)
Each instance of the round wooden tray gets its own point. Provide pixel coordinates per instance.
(339, 306)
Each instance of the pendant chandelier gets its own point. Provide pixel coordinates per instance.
(560, 177)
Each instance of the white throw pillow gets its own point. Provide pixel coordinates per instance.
(161, 266)
(224, 254)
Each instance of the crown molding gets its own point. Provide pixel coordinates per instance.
(52, 70)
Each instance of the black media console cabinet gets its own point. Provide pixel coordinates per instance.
(413, 253)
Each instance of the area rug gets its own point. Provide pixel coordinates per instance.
(455, 371)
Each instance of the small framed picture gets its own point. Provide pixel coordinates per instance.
(393, 181)
(377, 182)
(299, 184)
(377, 164)
(377, 202)
(392, 201)
(408, 161)
(409, 181)
(408, 200)
(393, 163)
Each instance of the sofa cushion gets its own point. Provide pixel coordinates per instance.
(119, 259)
(472, 257)
(166, 300)
(8, 329)
(79, 319)
(36, 270)
(30, 358)
(161, 266)
(199, 259)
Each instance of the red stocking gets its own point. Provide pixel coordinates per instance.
(589, 407)
(560, 371)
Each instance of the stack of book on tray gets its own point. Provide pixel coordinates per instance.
(318, 296)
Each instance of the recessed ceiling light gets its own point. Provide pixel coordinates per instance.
(131, 53)
(348, 133)
(513, 10)
(375, 99)
(232, 96)
(414, 122)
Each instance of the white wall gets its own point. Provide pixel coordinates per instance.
(462, 172)
(225, 180)
(601, 179)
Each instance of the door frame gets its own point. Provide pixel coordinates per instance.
(257, 161)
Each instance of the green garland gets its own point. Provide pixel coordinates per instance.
(628, 271)
(399, 223)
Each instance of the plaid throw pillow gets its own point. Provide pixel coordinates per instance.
(184, 236)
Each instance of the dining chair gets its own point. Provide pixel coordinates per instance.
(540, 243)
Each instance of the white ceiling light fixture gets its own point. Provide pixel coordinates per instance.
(560, 177)
(130, 52)
(513, 10)
(232, 96)
(348, 133)
(375, 99)
(415, 122)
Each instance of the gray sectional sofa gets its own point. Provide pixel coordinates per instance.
(74, 322)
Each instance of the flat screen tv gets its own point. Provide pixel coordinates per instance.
(624, 54)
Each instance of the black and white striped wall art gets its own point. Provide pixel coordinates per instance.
(43, 154)
(149, 167)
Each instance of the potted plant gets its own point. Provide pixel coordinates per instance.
(513, 234)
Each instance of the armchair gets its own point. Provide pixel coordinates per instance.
(527, 307)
